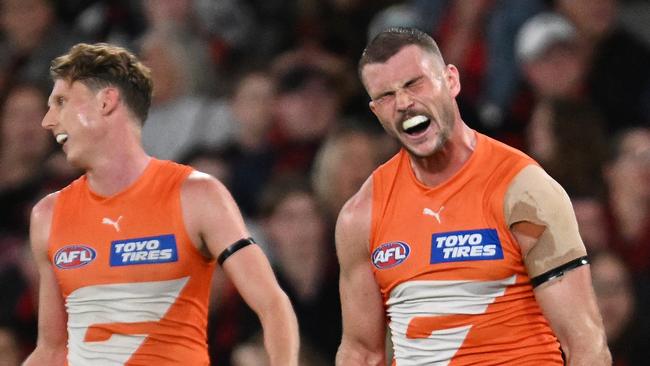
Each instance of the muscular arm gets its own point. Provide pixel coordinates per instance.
(52, 335)
(213, 218)
(543, 222)
(363, 312)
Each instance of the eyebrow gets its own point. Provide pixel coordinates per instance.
(405, 84)
(53, 97)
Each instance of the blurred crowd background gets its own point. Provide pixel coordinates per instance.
(264, 95)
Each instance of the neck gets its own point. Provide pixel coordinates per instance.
(439, 167)
(119, 166)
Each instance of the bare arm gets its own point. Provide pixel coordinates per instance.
(213, 218)
(569, 304)
(543, 222)
(52, 318)
(363, 341)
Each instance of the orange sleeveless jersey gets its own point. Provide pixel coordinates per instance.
(452, 277)
(135, 287)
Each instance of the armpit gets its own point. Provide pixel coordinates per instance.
(534, 196)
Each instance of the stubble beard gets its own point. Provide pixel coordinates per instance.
(441, 138)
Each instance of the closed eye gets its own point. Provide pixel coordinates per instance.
(413, 83)
(384, 98)
(56, 101)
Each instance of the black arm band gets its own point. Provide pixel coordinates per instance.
(559, 271)
(234, 247)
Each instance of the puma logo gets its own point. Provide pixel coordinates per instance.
(115, 224)
(436, 214)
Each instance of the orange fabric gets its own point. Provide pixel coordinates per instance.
(455, 221)
(128, 256)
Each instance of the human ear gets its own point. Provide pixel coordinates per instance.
(109, 99)
(453, 80)
(372, 107)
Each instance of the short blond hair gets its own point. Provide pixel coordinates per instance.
(101, 65)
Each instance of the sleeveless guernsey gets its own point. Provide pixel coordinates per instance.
(452, 276)
(135, 287)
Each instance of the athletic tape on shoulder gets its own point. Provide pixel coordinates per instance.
(241, 243)
(559, 271)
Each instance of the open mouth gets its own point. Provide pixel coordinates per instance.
(415, 125)
(61, 138)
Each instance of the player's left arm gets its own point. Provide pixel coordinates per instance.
(213, 219)
(541, 218)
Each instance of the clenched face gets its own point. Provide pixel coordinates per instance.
(413, 97)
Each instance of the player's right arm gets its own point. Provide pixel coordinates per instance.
(52, 335)
(364, 329)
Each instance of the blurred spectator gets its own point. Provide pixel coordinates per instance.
(618, 80)
(304, 260)
(461, 40)
(311, 55)
(346, 159)
(230, 25)
(627, 336)
(502, 73)
(229, 319)
(401, 15)
(627, 174)
(635, 17)
(30, 36)
(548, 51)
(10, 352)
(568, 138)
(180, 117)
(336, 27)
(592, 222)
(113, 21)
(251, 353)
(58, 172)
(24, 146)
(249, 152)
(19, 293)
(171, 14)
(552, 65)
(307, 108)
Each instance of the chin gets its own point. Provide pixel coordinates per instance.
(425, 150)
(75, 161)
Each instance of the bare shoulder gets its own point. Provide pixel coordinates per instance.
(212, 217)
(357, 210)
(198, 184)
(45, 206)
(201, 191)
(41, 222)
(354, 220)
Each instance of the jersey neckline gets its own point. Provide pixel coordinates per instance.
(144, 177)
(454, 177)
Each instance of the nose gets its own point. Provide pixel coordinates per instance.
(48, 121)
(403, 100)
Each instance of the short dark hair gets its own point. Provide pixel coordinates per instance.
(390, 41)
(101, 65)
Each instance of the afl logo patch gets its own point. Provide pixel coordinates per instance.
(74, 256)
(390, 254)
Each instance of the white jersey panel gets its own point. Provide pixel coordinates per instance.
(115, 304)
(414, 299)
